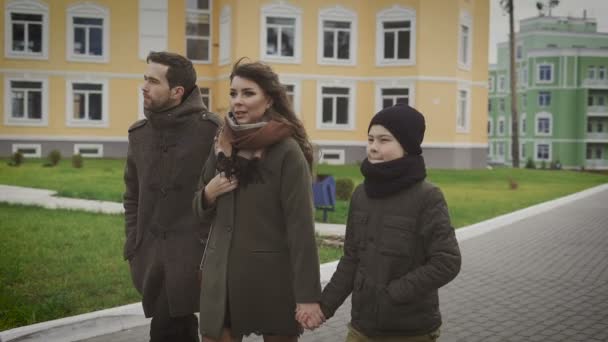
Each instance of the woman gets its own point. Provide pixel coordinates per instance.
(260, 261)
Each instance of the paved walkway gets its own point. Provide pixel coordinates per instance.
(540, 274)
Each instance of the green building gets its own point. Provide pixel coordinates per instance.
(562, 95)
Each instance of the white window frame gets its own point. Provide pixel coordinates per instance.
(282, 10)
(225, 53)
(601, 73)
(338, 13)
(88, 10)
(209, 39)
(591, 72)
(502, 106)
(501, 119)
(105, 117)
(543, 115)
(351, 85)
(536, 147)
(466, 20)
(500, 150)
(8, 108)
(391, 84)
(209, 96)
(539, 97)
(501, 83)
(519, 53)
(26, 7)
(341, 156)
(522, 150)
(153, 26)
(99, 147)
(297, 92)
(37, 147)
(395, 13)
(522, 124)
(467, 114)
(551, 72)
(491, 81)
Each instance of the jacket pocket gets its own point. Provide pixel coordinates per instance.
(393, 316)
(359, 225)
(398, 236)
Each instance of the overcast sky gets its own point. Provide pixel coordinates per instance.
(499, 22)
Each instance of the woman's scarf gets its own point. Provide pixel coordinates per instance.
(240, 147)
(388, 178)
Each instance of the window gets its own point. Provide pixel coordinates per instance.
(332, 157)
(281, 33)
(225, 35)
(501, 149)
(206, 96)
(491, 83)
(88, 33)
(544, 98)
(198, 30)
(396, 36)
(490, 127)
(524, 101)
(489, 105)
(26, 102)
(525, 75)
(601, 101)
(601, 73)
(522, 151)
(543, 123)
(89, 150)
(543, 151)
(519, 52)
(501, 125)
(591, 72)
(594, 152)
(87, 104)
(501, 83)
(501, 104)
(335, 106)
(462, 112)
(26, 30)
(153, 26)
(289, 89)
(392, 96)
(464, 39)
(292, 87)
(28, 150)
(523, 124)
(589, 126)
(545, 73)
(600, 127)
(337, 36)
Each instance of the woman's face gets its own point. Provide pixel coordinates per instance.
(382, 145)
(247, 100)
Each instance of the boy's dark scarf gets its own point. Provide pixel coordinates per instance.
(240, 147)
(388, 178)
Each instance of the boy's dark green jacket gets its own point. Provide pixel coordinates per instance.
(398, 252)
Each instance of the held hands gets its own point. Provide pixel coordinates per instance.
(219, 185)
(309, 315)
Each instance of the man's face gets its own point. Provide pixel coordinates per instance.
(157, 94)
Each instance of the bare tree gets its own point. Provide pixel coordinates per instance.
(507, 6)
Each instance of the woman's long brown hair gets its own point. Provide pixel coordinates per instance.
(268, 80)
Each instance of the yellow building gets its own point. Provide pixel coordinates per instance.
(71, 70)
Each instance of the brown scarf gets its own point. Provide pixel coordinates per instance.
(239, 147)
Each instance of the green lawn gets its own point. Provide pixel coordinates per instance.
(58, 263)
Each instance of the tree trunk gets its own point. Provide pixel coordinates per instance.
(514, 97)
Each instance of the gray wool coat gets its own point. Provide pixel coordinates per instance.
(261, 257)
(164, 239)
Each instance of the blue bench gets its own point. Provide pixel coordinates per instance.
(324, 194)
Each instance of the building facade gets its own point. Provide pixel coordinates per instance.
(562, 95)
(71, 70)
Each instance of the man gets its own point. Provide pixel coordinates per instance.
(164, 241)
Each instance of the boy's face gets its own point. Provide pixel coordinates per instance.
(382, 145)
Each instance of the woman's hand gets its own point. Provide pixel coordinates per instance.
(309, 315)
(219, 185)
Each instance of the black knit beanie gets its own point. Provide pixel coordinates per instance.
(405, 123)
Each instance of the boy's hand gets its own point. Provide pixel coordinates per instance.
(309, 315)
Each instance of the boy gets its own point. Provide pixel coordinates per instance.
(400, 247)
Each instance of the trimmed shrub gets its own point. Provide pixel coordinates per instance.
(16, 159)
(344, 188)
(555, 165)
(543, 165)
(77, 161)
(530, 164)
(54, 158)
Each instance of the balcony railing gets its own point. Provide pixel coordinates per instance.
(597, 111)
(596, 84)
(603, 136)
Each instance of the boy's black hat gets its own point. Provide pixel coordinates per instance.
(405, 123)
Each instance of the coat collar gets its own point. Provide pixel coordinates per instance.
(175, 116)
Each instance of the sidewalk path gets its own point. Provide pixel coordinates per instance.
(539, 274)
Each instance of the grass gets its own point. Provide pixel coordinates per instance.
(58, 263)
(477, 195)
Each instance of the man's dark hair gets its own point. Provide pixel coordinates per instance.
(180, 71)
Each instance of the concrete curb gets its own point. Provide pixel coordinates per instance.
(129, 316)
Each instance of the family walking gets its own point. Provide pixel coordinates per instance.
(219, 218)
